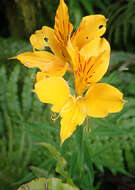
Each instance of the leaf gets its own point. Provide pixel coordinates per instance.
(56, 155)
(118, 169)
(61, 162)
(27, 96)
(3, 87)
(37, 184)
(47, 184)
(12, 92)
(38, 171)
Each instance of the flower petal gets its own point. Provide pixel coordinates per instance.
(40, 76)
(73, 53)
(91, 27)
(72, 115)
(91, 69)
(63, 28)
(53, 90)
(47, 62)
(95, 47)
(45, 38)
(102, 99)
(99, 64)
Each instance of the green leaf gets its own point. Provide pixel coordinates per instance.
(12, 92)
(27, 96)
(3, 87)
(61, 162)
(37, 184)
(38, 171)
(56, 155)
(47, 184)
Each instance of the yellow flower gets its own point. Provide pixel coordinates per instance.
(99, 100)
(89, 64)
(87, 55)
(52, 56)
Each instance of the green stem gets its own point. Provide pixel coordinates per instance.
(84, 158)
(80, 144)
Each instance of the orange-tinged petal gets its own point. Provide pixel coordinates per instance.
(81, 74)
(99, 68)
(45, 38)
(98, 65)
(47, 62)
(72, 115)
(73, 53)
(63, 28)
(91, 27)
(102, 99)
(53, 90)
(91, 70)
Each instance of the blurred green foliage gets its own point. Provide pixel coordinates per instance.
(25, 16)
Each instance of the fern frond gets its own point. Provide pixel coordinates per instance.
(12, 92)
(27, 96)
(3, 88)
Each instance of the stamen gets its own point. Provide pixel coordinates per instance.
(54, 117)
(87, 129)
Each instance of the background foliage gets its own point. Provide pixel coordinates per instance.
(24, 121)
(24, 16)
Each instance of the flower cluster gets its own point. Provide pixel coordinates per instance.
(86, 54)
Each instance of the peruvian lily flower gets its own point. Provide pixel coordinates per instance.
(50, 45)
(91, 98)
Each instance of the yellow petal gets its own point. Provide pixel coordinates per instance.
(99, 64)
(45, 38)
(102, 99)
(63, 27)
(73, 53)
(53, 90)
(95, 47)
(91, 70)
(47, 62)
(40, 76)
(91, 27)
(72, 115)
